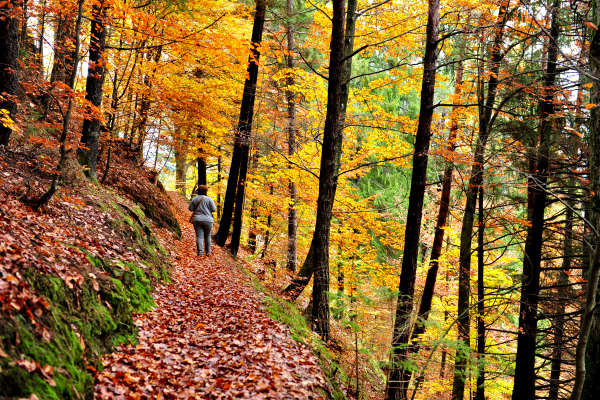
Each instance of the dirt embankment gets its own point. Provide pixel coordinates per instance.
(73, 273)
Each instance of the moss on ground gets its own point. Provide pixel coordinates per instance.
(287, 313)
(81, 323)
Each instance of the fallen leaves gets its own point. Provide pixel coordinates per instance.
(209, 338)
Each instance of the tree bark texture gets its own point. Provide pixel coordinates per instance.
(234, 194)
(298, 284)
(524, 384)
(332, 138)
(64, 55)
(441, 220)
(558, 323)
(90, 135)
(480, 391)
(398, 376)
(9, 52)
(292, 253)
(201, 166)
(466, 233)
(587, 377)
(181, 167)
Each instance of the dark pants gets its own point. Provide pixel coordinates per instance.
(203, 229)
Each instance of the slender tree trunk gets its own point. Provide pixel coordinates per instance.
(466, 234)
(42, 30)
(9, 52)
(480, 392)
(524, 385)
(252, 228)
(332, 137)
(559, 321)
(234, 194)
(268, 230)
(292, 257)
(398, 376)
(181, 166)
(201, 165)
(219, 185)
(442, 217)
(88, 153)
(66, 121)
(64, 56)
(23, 34)
(298, 284)
(587, 376)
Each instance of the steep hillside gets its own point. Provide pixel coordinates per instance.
(73, 273)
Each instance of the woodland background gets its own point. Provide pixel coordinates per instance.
(434, 165)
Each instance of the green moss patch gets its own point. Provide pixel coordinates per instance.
(287, 313)
(80, 325)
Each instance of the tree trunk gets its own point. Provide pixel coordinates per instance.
(64, 57)
(234, 194)
(466, 233)
(398, 376)
(332, 138)
(442, 217)
(268, 230)
(559, 321)
(9, 52)
(524, 384)
(201, 165)
(181, 167)
(88, 154)
(292, 257)
(252, 228)
(298, 284)
(480, 391)
(219, 185)
(587, 376)
(45, 198)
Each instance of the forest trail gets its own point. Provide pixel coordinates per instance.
(208, 338)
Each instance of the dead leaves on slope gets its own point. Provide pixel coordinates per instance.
(208, 338)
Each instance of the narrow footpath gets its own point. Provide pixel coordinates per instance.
(209, 338)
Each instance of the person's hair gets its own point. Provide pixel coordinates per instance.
(203, 189)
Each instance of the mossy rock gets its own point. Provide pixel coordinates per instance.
(83, 323)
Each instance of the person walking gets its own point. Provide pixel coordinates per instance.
(202, 208)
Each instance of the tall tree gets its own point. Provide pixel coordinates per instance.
(398, 376)
(64, 39)
(298, 284)
(558, 327)
(587, 376)
(332, 138)
(88, 152)
(441, 220)
(9, 83)
(292, 256)
(524, 384)
(480, 391)
(241, 146)
(486, 107)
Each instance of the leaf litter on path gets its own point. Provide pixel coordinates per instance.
(209, 338)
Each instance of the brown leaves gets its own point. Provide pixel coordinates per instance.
(209, 338)
(45, 371)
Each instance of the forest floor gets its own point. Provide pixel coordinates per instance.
(209, 337)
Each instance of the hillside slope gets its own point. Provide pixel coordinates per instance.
(73, 273)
